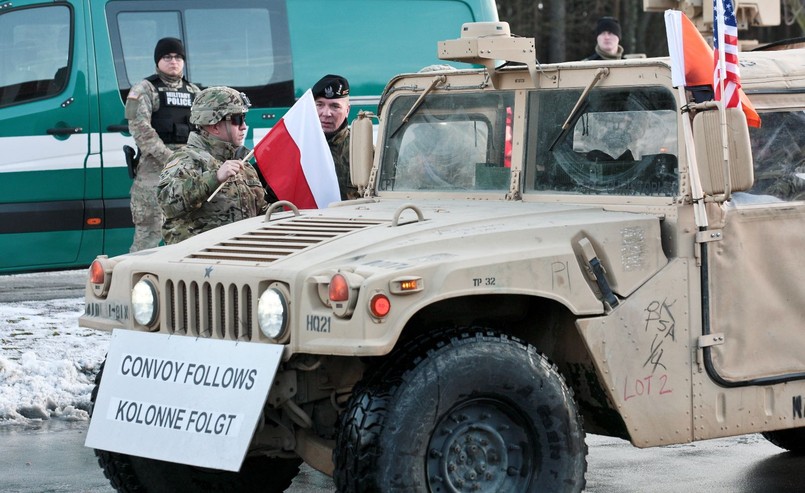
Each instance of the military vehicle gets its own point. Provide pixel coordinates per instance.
(748, 13)
(541, 252)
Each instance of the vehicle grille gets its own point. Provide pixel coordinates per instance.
(277, 240)
(197, 309)
(227, 311)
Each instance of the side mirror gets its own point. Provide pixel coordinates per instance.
(361, 149)
(709, 142)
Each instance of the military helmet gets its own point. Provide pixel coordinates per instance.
(214, 103)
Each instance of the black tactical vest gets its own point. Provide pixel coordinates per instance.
(172, 120)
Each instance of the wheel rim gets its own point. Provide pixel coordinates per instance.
(482, 446)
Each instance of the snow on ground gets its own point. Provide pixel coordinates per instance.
(47, 362)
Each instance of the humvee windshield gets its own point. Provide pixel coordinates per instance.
(619, 142)
(449, 142)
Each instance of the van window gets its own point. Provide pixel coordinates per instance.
(34, 53)
(616, 142)
(251, 52)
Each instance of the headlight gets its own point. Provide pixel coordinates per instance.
(144, 302)
(272, 313)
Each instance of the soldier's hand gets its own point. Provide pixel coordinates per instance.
(228, 169)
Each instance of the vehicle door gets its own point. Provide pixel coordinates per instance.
(755, 269)
(45, 125)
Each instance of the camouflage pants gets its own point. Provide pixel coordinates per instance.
(146, 213)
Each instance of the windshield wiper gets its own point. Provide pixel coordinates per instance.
(436, 80)
(574, 115)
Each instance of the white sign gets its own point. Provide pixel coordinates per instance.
(182, 399)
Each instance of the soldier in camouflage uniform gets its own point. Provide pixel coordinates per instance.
(212, 156)
(331, 93)
(158, 113)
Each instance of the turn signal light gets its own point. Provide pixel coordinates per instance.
(100, 275)
(406, 285)
(379, 305)
(339, 288)
(410, 285)
(97, 274)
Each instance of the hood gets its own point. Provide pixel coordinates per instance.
(394, 233)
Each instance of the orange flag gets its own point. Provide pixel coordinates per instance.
(688, 49)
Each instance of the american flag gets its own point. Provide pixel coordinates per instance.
(725, 44)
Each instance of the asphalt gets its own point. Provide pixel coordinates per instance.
(42, 285)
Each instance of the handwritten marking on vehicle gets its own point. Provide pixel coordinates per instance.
(643, 386)
(659, 320)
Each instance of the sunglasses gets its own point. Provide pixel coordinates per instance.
(236, 120)
(167, 58)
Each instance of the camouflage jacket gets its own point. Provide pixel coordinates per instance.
(339, 148)
(141, 103)
(189, 179)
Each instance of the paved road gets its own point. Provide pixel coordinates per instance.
(51, 458)
(42, 286)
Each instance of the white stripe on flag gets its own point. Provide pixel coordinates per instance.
(302, 123)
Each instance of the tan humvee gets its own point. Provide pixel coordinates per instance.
(535, 245)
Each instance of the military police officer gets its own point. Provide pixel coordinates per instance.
(331, 94)
(212, 157)
(158, 113)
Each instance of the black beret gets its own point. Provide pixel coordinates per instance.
(166, 46)
(331, 87)
(610, 24)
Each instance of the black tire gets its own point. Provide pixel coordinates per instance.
(131, 474)
(472, 412)
(792, 439)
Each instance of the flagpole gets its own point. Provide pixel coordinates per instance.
(722, 110)
(245, 161)
(696, 192)
(675, 32)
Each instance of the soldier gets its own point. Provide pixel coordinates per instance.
(212, 156)
(607, 37)
(331, 93)
(158, 112)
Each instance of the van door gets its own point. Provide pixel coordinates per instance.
(44, 134)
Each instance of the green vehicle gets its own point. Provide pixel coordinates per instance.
(66, 68)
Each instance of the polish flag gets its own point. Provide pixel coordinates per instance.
(295, 159)
(692, 59)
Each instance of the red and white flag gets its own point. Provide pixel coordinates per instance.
(692, 60)
(295, 159)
